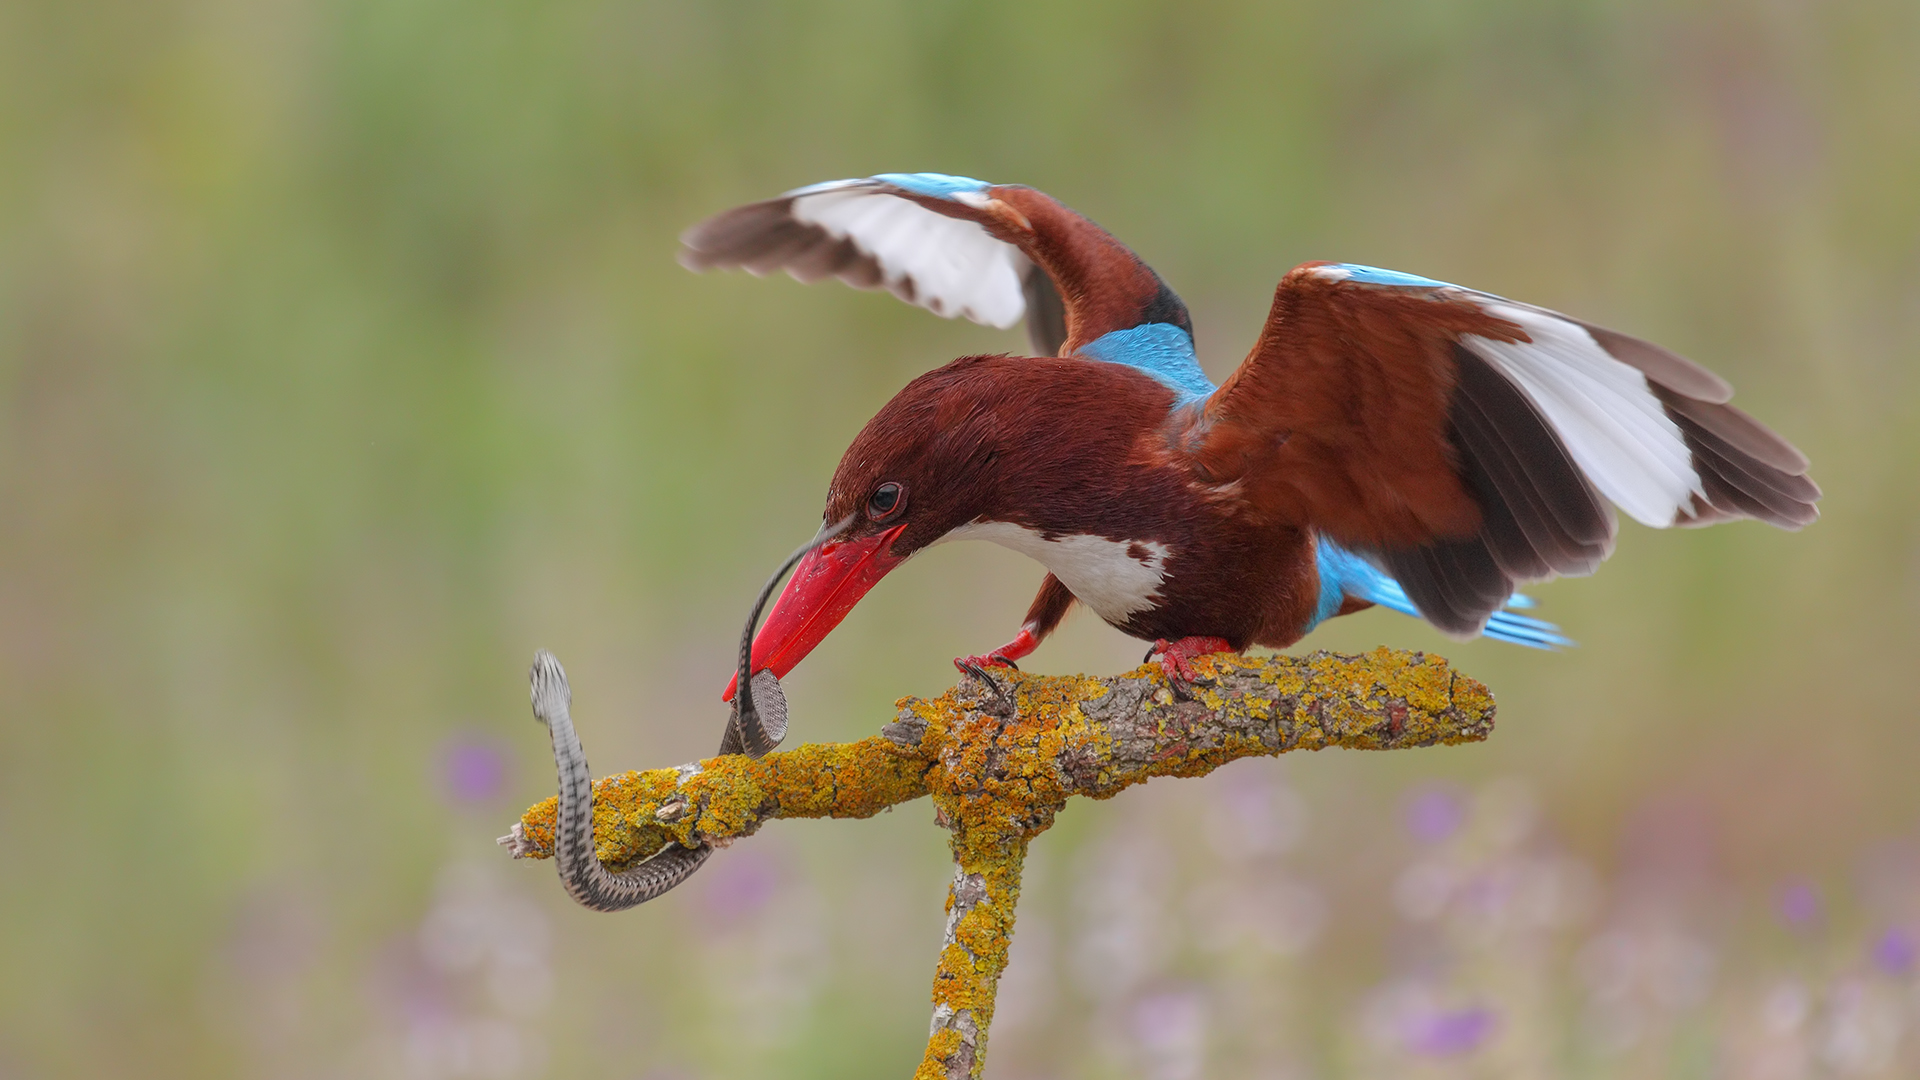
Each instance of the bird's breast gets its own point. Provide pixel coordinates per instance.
(1116, 578)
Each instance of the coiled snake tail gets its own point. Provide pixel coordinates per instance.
(758, 723)
(586, 880)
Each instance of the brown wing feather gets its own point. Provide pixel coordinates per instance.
(1046, 313)
(1102, 285)
(1340, 417)
(1083, 283)
(1359, 414)
(763, 237)
(1366, 414)
(1542, 516)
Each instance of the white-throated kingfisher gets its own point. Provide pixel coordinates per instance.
(1390, 439)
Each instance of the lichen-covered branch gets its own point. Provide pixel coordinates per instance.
(999, 763)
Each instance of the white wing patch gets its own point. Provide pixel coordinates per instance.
(947, 265)
(1603, 410)
(1106, 575)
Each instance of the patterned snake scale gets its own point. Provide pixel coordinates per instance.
(586, 880)
(756, 726)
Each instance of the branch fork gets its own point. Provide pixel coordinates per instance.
(997, 777)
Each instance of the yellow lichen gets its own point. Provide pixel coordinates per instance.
(732, 796)
(997, 782)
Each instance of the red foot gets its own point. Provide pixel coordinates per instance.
(1177, 657)
(1006, 655)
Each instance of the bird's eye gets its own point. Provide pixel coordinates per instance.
(886, 500)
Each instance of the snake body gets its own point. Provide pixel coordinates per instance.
(585, 879)
(758, 723)
(766, 703)
(748, 731)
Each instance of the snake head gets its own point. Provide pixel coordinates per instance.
(551, 694)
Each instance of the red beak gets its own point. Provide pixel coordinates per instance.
(823, 588)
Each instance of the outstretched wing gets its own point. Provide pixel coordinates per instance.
(1463, 442)
(953, 245)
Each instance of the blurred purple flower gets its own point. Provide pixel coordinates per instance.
(738, 885)
(411, 991)
(1254, 813)
(1161, 1019)
(1443, 1034)
(1896, 952)
(1171, 1030)
(1798, 905)
(472, 769)
(1434, 814)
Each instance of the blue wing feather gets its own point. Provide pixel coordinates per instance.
(1346, 574)
(1163, 351)
(1160, 349)
(933, 185)
(1373, 275)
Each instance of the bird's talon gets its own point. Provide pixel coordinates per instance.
(980, 672)
(1177, 657)
(971, 663)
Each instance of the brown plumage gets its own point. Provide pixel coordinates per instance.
(1063, 447)
(1454, 442)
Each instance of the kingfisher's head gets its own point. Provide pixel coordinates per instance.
(1028, 440)
(932, 460)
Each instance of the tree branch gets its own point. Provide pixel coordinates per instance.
(998, 775)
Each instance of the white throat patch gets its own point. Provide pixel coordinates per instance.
(1116, 578)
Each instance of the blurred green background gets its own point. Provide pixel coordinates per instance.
(344, 361)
